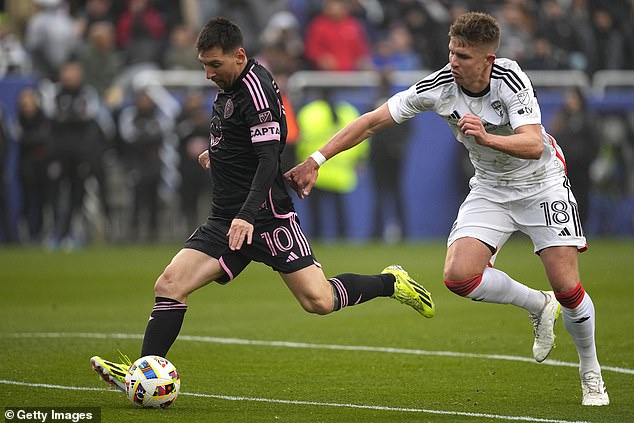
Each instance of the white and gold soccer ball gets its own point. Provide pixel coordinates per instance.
(152, 382)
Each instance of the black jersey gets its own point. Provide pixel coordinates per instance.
(248, 133)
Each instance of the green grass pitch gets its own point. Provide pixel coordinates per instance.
(248, 353)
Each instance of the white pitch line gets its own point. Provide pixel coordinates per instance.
(286, 344)
(313, 403)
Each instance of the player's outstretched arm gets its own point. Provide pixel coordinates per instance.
(303, 176)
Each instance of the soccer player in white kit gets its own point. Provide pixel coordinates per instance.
(520, 184)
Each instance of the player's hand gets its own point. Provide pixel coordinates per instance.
(238, 232)
(472, 125)
(203, 159)
(302, 177)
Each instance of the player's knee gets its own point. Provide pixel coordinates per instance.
(167, 285)
(463, 287)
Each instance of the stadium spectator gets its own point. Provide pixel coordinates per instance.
(52, 38)
(73, 108)
(336, 41)
(35, 142)
(387, 152)
(318, 121)
(141, 33)
(428, 35)
(178, 54)
(100, 61)
(545, 56)
(252, 216)
(192, 128)
(196, 12)
(573, 126)
(145, 131)
(95, 11)
(519, 185)
(609, 43)
(554, 24)
(252, 16)
(611, 173)
(14, 59)
(8, 232)
(282, 45)
(627, 29)
(395, 51)
(517, 26)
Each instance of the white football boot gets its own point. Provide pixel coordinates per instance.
(593, 389)
(544, 327)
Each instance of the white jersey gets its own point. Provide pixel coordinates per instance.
(508, 103)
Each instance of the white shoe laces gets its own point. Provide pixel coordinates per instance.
(592, 383)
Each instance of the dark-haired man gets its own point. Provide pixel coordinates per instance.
(252, 216)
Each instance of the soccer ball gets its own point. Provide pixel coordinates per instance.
(152, 382)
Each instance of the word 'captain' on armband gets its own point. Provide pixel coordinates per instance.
(267, 131)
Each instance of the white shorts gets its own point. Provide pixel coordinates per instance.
(547, 213)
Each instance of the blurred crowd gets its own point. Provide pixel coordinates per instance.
(40, 35)
(83, 132)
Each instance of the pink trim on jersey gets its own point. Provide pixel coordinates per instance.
(255, 95)
(226, 268)
(281, 107)
(275, 213)
(557, 153)
(267, 131)
(259, 88)
(255, 88)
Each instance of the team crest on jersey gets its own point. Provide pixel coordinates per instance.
(523, 97)
(215, 133)
(265, 116)
(497, 106)
(228, 109)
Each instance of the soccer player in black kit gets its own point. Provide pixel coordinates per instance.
(252, 215)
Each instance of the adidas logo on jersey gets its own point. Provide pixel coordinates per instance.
(455, 115)
(292, 256)
(564, 232)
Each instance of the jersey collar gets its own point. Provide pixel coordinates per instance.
(480, 94)
(247, 67)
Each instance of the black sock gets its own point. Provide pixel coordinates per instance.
(163, 327)
(350, 289)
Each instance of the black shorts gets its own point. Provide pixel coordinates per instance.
(277, 242)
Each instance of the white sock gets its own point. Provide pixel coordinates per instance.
(498, 287)
(579, 323)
